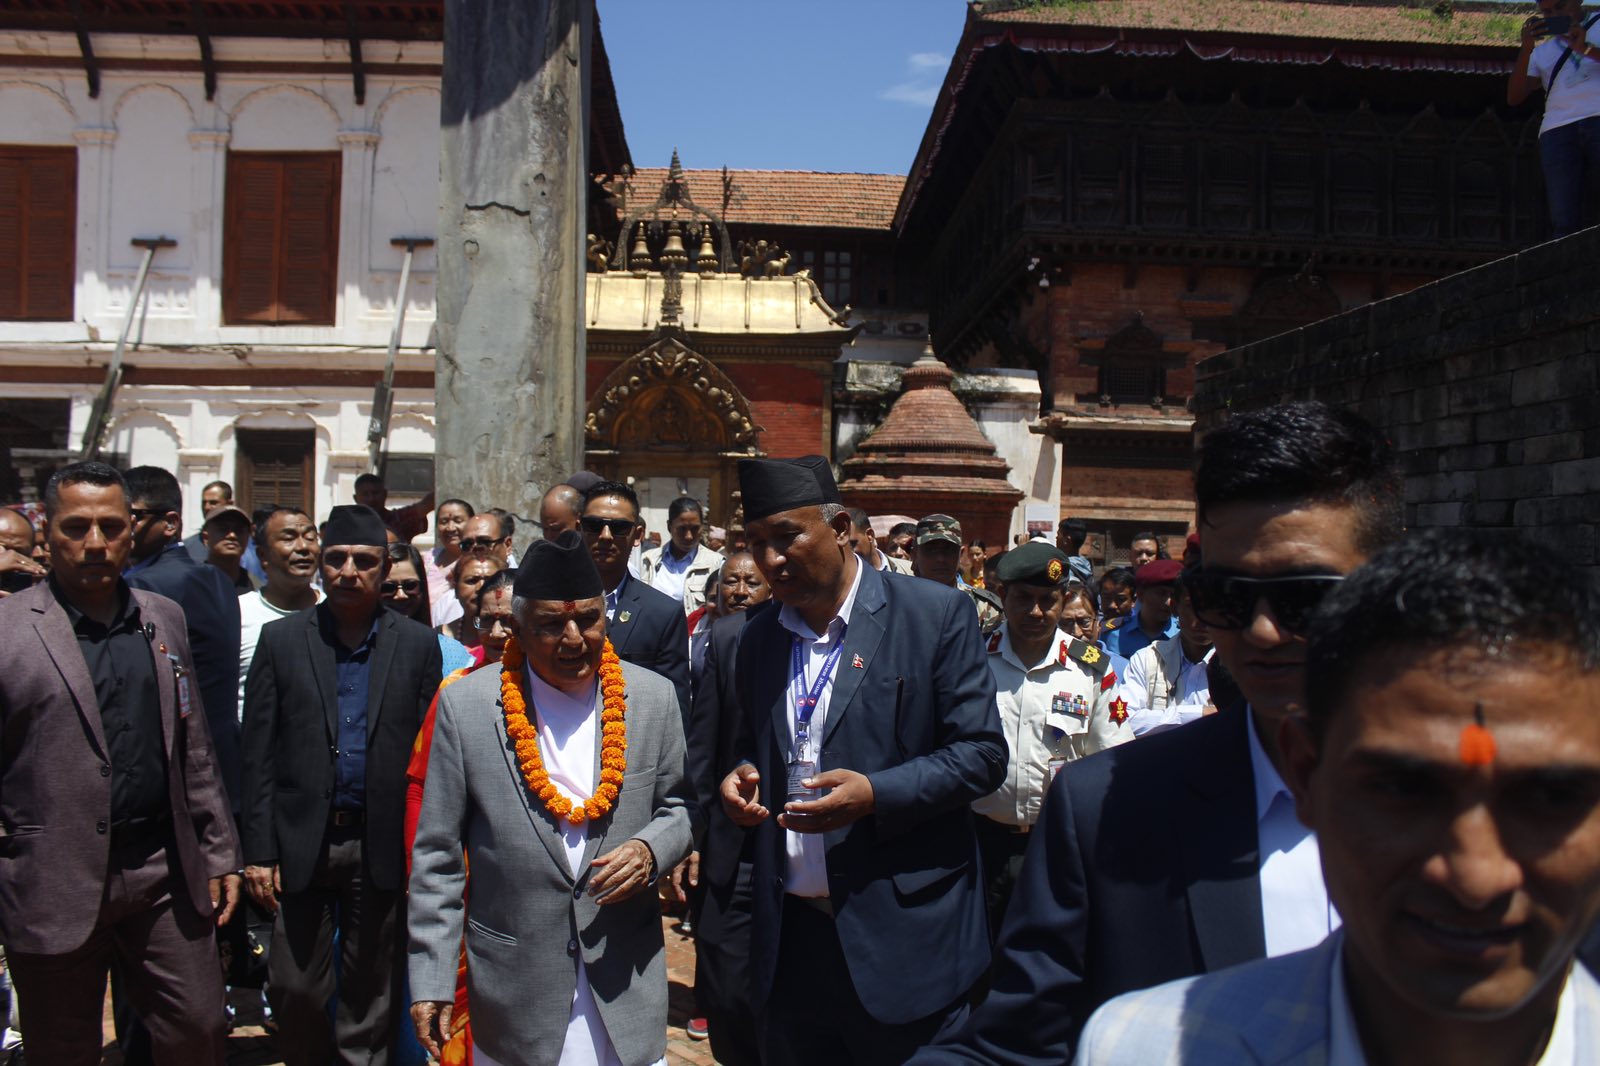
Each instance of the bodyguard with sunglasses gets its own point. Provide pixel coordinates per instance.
(1180, 853)
(333, 702)
(646, 627)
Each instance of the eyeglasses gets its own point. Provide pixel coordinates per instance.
(1223, 601)
(141, 513)
(620, 527)
(472, 544)
(335, 560)
(410, 586)
(487, 625)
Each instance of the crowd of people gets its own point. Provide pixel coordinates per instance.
(1319, 790)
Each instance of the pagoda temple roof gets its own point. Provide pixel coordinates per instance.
(791, 197)
(928, 444)
(1467, 37)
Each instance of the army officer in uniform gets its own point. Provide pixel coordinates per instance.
(1057, 700)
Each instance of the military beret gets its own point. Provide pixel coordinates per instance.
(1033, 563)
(1159, 572)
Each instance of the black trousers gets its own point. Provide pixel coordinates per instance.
(1001, 851)
(722, 969)
(300, 974)
(815, 1015)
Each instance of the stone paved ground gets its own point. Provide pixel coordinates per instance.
(250, 1045)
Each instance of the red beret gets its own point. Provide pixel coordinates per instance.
(1159, 572)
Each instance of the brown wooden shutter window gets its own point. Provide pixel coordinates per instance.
(38, 216)
(281, 239)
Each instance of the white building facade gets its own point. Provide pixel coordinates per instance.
(245, 346)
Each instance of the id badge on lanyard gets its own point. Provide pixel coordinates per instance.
(803, 754)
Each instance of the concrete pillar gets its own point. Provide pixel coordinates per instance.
(513, 175)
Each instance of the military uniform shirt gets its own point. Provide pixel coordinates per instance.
(1057, 707)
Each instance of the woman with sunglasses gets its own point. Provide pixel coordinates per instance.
(405, 591)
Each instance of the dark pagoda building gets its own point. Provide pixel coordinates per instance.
(1110, 190)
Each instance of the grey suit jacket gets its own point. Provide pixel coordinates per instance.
(526, 919)
(55, 775)
(1271, 1012)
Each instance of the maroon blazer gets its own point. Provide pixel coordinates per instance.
(55, 784)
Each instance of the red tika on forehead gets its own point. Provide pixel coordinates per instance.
(1477, 743)
(568, 606)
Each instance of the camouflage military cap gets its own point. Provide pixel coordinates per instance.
(939, 527)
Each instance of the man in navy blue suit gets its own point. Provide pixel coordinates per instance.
(645, 627)
(869, 728)
(1180, 854)
(210, 605)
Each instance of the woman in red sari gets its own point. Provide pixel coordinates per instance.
(493, 626)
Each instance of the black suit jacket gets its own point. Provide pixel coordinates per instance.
(1142, 870)
(918, 717)
(211, 610)
(649, 630)
(713, 749)
(290, 729)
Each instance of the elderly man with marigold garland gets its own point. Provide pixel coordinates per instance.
(559, 780)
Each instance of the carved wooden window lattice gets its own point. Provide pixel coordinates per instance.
(1132, 366)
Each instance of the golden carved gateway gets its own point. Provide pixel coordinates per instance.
(698, 357)
(669, 397)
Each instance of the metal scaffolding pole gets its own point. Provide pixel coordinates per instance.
(100, 413)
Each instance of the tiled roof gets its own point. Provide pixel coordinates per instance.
(1385, 21)
(786, 197)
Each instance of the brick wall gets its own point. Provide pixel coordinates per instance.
(1488, 382)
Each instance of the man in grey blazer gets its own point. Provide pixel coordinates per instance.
(116, 841)
(565, 960)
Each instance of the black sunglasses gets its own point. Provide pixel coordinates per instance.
(469, 544)
(620, 527)
(411, 586)
(1223, 601)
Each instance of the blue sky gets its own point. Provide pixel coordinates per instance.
(802, 85)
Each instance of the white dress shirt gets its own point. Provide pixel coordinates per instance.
(1186, 697)
(806, 862)
(1295, 911)
(1344, 1040)
(670, 572)
(611, 598)
(567, 728)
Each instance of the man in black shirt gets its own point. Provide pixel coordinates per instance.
(116, 846)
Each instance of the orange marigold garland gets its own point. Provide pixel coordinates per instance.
(525, 736)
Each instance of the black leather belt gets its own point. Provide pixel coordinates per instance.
(144, 832)
(346, 819)
(820, 904)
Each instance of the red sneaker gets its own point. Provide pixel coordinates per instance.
(697, 1029)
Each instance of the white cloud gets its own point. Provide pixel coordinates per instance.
(911, 93)
(921, 88)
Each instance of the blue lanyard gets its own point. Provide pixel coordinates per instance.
(805, 702)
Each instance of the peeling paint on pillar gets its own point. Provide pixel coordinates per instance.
(513, 176)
